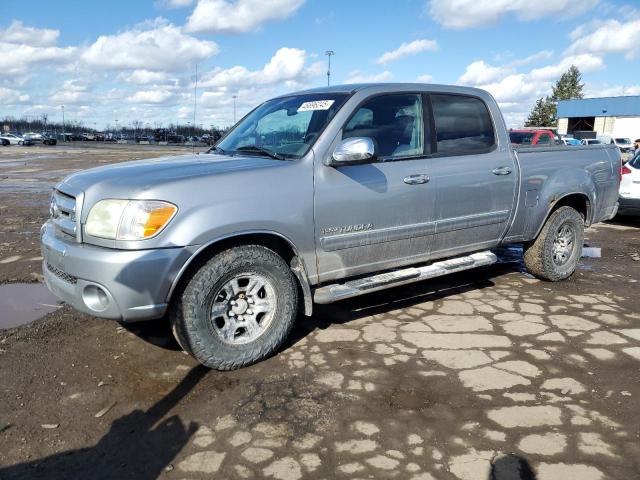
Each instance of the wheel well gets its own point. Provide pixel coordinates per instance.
(269, 240)
(578, 202)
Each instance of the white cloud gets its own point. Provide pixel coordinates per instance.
(71, 92)
(407, 49)
(586, 63)
(287, 64)
(460, 14)
(229, 16)
(426, 78)
(479, 72)
(151, 96)
(141, 77)
(17, 32)
(10, 96)
(356, 76)
(611, 90)
(516, 92)
(534, 58)
(171, 4)
(15, 59)
(154, 46)
(611, 36)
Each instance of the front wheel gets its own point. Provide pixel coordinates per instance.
(237, 309)
(554, 255)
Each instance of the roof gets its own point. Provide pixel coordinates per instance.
(600, 107)
(356, 87)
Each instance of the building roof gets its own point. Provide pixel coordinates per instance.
(600, 107)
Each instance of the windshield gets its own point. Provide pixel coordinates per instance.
(623, 141)
(283, 127)
(521, 138)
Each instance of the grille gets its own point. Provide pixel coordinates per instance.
(63, 212)
(62, 275)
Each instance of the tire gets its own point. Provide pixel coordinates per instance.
(227, 336)
(20, 143)
(554, 254)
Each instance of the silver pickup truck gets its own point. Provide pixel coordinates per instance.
(318, 196)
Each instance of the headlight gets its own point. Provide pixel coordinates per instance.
(129, 219)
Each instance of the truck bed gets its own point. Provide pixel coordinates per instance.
(550, 173)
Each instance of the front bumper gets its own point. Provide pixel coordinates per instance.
(126, 285)
(629, 206)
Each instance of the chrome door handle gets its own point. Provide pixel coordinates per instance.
(502, 171)
(416, 179)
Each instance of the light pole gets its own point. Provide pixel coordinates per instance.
(329, 54)
(234, 108)
(63, 135)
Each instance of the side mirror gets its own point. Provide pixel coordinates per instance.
(352, 151)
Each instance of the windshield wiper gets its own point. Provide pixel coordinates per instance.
(264, 151)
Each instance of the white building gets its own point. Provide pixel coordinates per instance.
(615, 116)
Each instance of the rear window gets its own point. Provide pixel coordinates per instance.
(544, 139)
(521, 138)
(463, 125)
(623, 141)
(635, 161)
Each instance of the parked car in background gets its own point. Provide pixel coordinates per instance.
(624, 144)
(13, 139)
(570, 142)
(49, 139)
(27, 141)
(531, 137)
(88, 137)
(591, 141)
(630, 187)
(318, 196)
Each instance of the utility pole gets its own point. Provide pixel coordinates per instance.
(64, 137)
(195, 106)
(329, 53)
(234, 108)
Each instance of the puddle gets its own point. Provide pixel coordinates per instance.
(22, 303)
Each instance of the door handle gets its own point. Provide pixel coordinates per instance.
(416, 179)
(502, 171)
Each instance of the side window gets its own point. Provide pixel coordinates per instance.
(544, 139)
(393, 122)
(463, 125)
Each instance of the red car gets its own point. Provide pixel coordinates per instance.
(532, 137)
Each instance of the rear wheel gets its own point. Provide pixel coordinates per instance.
(237, 309)
(555, 253)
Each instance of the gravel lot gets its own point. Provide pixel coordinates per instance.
(488, 374)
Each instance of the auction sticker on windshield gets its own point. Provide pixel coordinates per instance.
(316, 105)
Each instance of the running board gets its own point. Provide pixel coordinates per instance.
(353, 288)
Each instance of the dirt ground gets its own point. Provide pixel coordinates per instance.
(488, 374)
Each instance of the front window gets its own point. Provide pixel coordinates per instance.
(283, 127)
(623, 141)
(394, 122)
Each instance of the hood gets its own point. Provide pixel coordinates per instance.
(144, 175)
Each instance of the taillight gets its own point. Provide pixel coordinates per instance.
(624, 170)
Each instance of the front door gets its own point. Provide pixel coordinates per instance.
(381, 214)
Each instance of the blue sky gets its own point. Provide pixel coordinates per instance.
(135, 60)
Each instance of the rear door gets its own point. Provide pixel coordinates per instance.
(475, 178)
(381, 214)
